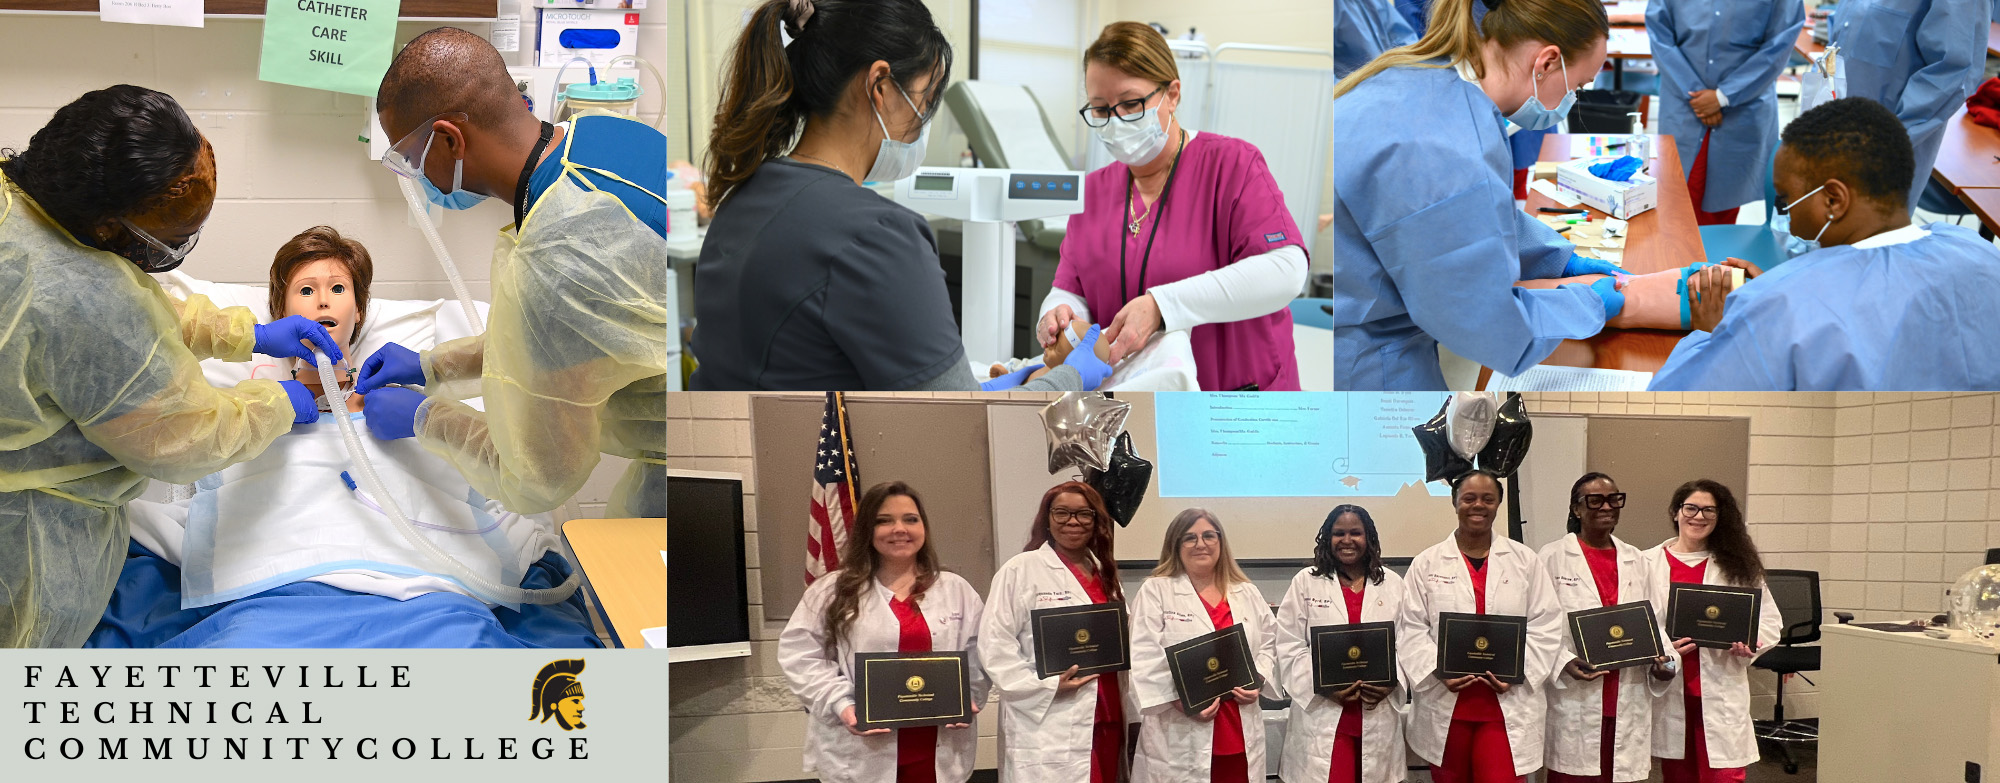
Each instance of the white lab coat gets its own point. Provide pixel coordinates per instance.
(1725, 680)
(1173, 747)
(1043, 736)
(1437, 581)
(825, 686)
(1576, 708)
(1309, 733)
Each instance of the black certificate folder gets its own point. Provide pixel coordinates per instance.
(1713, 615)
(1614, 637)
(1206, 667)
(1481, 643)
(1344, 654)
(1090, 637)
(906, 690)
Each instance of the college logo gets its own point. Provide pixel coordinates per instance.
(559, 694)
(1354, 653)
(1479, 643)
(914, 683)
(1617, 632)
(1214, 664)
(1082, 636)
(1712, 612)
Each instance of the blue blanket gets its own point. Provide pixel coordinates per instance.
(145, 612)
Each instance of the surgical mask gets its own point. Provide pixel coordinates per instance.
(1534, 116)
(1814, 242)
(1135, 142)
(459, 197)
(898, 159)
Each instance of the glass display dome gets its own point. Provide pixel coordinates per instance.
(1975, 602)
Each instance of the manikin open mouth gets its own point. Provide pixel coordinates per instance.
(329, 323)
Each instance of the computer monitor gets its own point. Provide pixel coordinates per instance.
(708, 611)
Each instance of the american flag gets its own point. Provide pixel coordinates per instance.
(834, 496)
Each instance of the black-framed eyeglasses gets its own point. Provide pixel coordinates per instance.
(1690, 509)
(1063, 515)
(1127, 111)
(1616, 499)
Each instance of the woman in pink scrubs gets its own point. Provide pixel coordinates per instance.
(1186, 231)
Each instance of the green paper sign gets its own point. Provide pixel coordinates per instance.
(338, 45)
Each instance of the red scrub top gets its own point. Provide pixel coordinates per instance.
(1477, 703)
(1223, 206)
(916, 749)
(1350, 714)
(1691, 574)
(1604, 569)
(1107, 746)
(1229, 719)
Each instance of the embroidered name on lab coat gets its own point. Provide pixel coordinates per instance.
(1179, 617)
(1569, 581)
(1052, 597)
(1319, 603)
(1441, 579)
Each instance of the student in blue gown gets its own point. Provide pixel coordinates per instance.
(1429, 239)
(1920, 58)
(1884, 305)
(1363, 30)
(1719, 61)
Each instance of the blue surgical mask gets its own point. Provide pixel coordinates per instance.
(1534, 116)
(1812, 244)
(459, 197)
(898, 159)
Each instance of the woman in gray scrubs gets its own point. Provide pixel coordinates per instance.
(807, 280)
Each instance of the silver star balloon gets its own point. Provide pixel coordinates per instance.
(1082, 429)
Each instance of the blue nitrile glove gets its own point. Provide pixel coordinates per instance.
(1010, 380)
(281, 338)
(1606, 289)
(1579, 264)
(392, 413)
(305, 410)
(1084, 358)
(1620, 170)
(391, 364)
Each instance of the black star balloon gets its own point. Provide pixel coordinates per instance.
(1440, 462)
(1509, 444)
(1123, 484)
(1081, 428)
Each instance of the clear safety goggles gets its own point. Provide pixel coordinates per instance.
(406, 156)
(161, 252)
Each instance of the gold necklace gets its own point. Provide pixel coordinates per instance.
(1140, 217)
(830, 164)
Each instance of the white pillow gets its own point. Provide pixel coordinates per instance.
(418, 325)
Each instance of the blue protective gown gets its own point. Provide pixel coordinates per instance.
(1917, 316)
(1920, 58)
(1364, 29)
(1738, 48)
(1428, 243)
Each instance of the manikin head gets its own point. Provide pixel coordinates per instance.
(325, 277)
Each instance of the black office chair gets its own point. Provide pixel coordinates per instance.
(1797, 595)
(1993, 556)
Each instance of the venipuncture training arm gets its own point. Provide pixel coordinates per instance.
(451, 370)
(210, 332)
(1255, 286)
(1758, 73)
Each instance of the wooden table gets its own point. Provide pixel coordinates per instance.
(1664, 237)
(1806, 46)
(624, 572)
(1985, 202)
(1620, 48)
(1969, 156)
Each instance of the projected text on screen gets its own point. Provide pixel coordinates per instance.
(1290, 444)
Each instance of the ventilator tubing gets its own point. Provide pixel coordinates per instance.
(416, 201)
(485, 588)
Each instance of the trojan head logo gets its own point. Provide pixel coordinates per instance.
(559, 694)
(1712, 612)
(1082, 636)
(1617, 632)
(1480, 643)
(1214, 664)
(914, 683)
(1354, 653)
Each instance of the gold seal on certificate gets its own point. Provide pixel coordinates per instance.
(1090, 637)
(1614, 637)
(1714, 615)
(1481, 643)
(906, 690)
(1206, 667)
(1343, 654)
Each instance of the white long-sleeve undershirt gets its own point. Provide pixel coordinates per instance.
(1255, 286)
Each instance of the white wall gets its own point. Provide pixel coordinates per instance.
(287, 158)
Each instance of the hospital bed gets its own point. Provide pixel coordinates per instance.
(147, 607)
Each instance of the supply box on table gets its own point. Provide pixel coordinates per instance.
(1621, 199)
